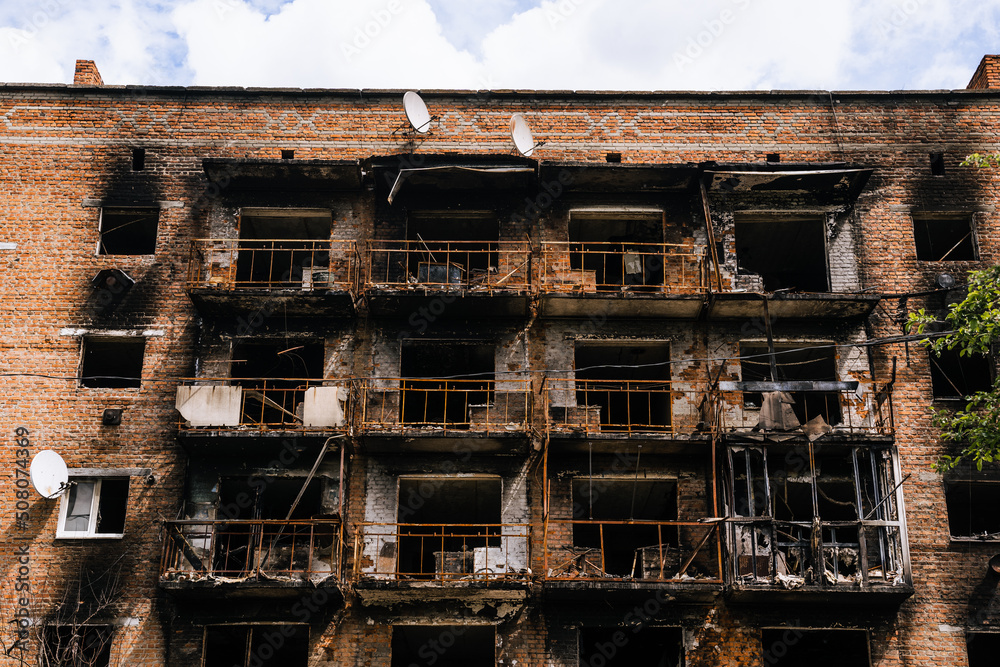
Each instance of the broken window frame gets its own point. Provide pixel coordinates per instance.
(93, 516)
(123, 210)
(248, 651)
(54, 654)
(938, 370)
(923, 221)
(790, 217)
(969, 482)
(309, 259)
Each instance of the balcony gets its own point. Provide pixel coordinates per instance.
(460, 278)
(396, 562)
(440, 415)
(622, 279)
(298, 277)
(266, 558)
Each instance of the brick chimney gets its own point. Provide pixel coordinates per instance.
(87, 74)
(987, 75)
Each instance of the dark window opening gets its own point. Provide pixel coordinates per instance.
(443, 645)
(773, 157)
(783, 647)
(138, 159)
(248, 645)
(452, 248)
(246, 498)
(641, 551)
(618, 252)
(77, 645)
(629, 383)
(128, 231)
(287, 154)
(786, 254)
(972, 508)
(114, 363)
(274, 377)
(954, 376)
(462, 375)
(937, 164)
(940, 239)
(624, 647)
(794, 361)
(111, 506)
(983, 648)
(444, 522)
(283, 249)
(613, 158)
(94, 507)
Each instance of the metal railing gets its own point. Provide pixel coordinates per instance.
(446, 553)
(478, 266)
(244, 549)
(235, 264)
(480, 406)
(657, 268)
(645, 551)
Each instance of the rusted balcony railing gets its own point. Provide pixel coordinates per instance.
(237, 264)
(303, 550)
(264, 403)
(478, 266)
(644, 551)
(655, 268)
(442, 553)
(480, 406)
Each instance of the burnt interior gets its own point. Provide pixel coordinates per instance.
(972, 508)
(785, 647)
(276, 250)
(635, 392)
(443, 645)
(274, 375)
(452, 248)
(241, 645)
(462, 372)
(794, 361)
(85, 645)
(954, 376)
(613, 249)
(112, 362)
(129, 231)
(940, 239)
(626, 647)
(983, 648)
(788, 254)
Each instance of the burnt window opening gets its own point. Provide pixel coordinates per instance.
(640, 551)
(246, 498)
(94, 508)
(954, 376)
(982, 648)
(77, 645)
(455, 248)
(794, 361)
(937, 163)
(617, 251)
(460, 375)
(114, 363)
(628, 382)
(138, 159)
(248, 645)
(283, 248)
(940, 239)
(773, 157)
(628, 646)
(128, 231)
(287, 154)
(443, 645)
(274, 377)
(787, 254)
(444, 522)
(792, 647)
(972, 507)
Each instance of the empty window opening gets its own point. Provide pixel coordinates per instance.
(937, 164)
(77, 645)
(287, 154)
(246, 498)
(785, 253)
(138, 159)
(954, 376)
(641, 551)
(773, 157)
(452, 247)
(128, 231)
(621, 252)
(274, 377)
(983, 648)
(462, 373)
(940, 239)
(624, 647)
(972, 508)
(628, 382)
(443, 645)
(112, 362)
(445, 521)
(784, 647)
(249, 645)
(94, 508)
(794, 361)
(282, 248)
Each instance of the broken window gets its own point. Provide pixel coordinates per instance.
(956, 376)
(284, 248)
(93, 508)
(983, 648)
(787, 253)
(628, 383)
(462, 373)
(626, 647)
(77, 645)
(972, 507)
(274, 377)
(128, 231)
(138, 159)
(615, 545)
(112, 362)
(792, 647)
(619, 252)
(443, 645)
(453, 248)
(794, 361)
(944, 238)
(249, 645)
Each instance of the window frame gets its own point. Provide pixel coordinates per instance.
(250, 628)
(95, 505)
(925, 218)
(99, 337)
(107, 641)
(151, 209)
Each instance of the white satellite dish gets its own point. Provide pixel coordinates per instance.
(416, 112)
(48, 473)
(520, 132)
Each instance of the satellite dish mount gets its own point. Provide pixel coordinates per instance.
(520, 132)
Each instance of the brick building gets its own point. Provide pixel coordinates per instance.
(332, 390)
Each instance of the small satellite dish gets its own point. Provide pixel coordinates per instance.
(48, 474)
(945, 281)
(416, 112)
(521, 134)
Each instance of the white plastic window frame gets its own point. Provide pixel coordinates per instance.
(95, 502)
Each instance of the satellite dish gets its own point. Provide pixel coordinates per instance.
(48, 473)
(521, 134)
(416, 112)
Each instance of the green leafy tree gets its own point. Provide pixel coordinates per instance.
(972, 327)
(981, 160)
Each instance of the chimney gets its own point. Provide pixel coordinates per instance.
(987, 75)
(87, 74)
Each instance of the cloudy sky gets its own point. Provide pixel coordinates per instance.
(558, 44)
